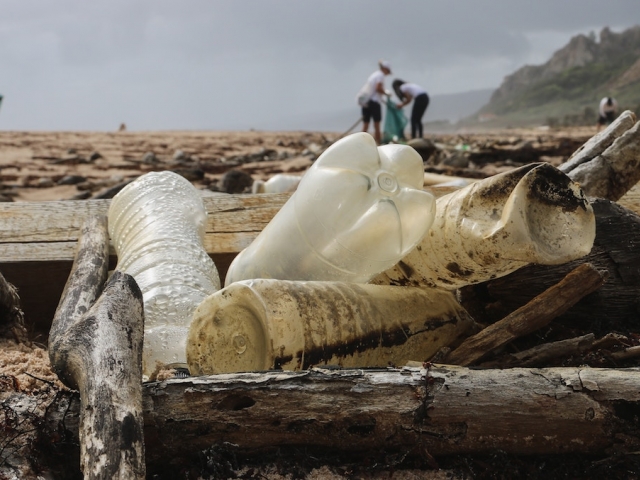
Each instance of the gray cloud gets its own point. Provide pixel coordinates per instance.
(236, 64)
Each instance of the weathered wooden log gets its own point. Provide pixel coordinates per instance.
(443, 410)
(613, 307)
(600, 141)
(540, 355)
(554, 301)
(627, 353)
(95, 346)
(610, 173)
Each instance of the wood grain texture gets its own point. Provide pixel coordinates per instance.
(38, 241)
(551, 303)
(95, 346)
(445, 410)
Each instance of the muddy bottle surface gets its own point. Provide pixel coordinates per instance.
(357, 211)
(533, 214)
(157, 226)
(264, 324)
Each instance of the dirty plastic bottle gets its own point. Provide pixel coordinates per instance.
(533, 214)
(279, 183)
(291, 325)
(357, 211)
(157, 226)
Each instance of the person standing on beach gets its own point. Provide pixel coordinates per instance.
(407, 92)
(607, 111)
(370, 97)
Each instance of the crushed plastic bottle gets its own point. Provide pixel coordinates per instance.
(532, 214)
(357, 211)
(157, 226)
(265, 324)
(279, 183)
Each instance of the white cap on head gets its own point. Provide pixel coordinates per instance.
(385, 64)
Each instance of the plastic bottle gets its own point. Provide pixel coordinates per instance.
(157, 226)
(356, 212)
(279, 183)
(265, 324)
(533, 214)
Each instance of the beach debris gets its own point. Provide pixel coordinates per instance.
(613, 308)
(553, 302)
(150, 158)
(157, 225)
(263, 324)
(279, 183)
(11, 315)
(95, 347)
(356, 212)
(609, 164)
(533, 214)
(235, 181)
(71, 180)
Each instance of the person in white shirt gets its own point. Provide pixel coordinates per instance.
(407, 92)
(607, 111)
(372, 108)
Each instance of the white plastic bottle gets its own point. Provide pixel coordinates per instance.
(356, 212)
(157, 226)
(532, 214)
(279, 183)
(263, 324)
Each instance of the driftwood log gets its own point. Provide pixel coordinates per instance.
(95, 346)
(437, 411)
(608, 165)
(554, 301)
(542, 354)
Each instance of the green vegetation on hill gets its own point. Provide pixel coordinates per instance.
(541, 95)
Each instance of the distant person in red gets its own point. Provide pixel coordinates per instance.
(407, 92)
(370, 97)
(607, 111)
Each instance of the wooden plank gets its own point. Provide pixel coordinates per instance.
(215, 244)
(46, 221)
(60, 221)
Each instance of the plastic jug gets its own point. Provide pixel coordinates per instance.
(357, 211)
(157, 226)
(533, 214)
(265, 324)
(279, 183)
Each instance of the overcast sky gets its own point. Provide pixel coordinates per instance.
(269, 64)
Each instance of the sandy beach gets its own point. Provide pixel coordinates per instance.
(42, 166)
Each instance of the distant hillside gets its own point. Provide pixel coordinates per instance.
(570, 85)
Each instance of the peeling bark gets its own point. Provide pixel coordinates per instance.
(443, 410)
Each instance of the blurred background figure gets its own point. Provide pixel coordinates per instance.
(370, 99)
(410, 91)
(607, 111)
(1, 97)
